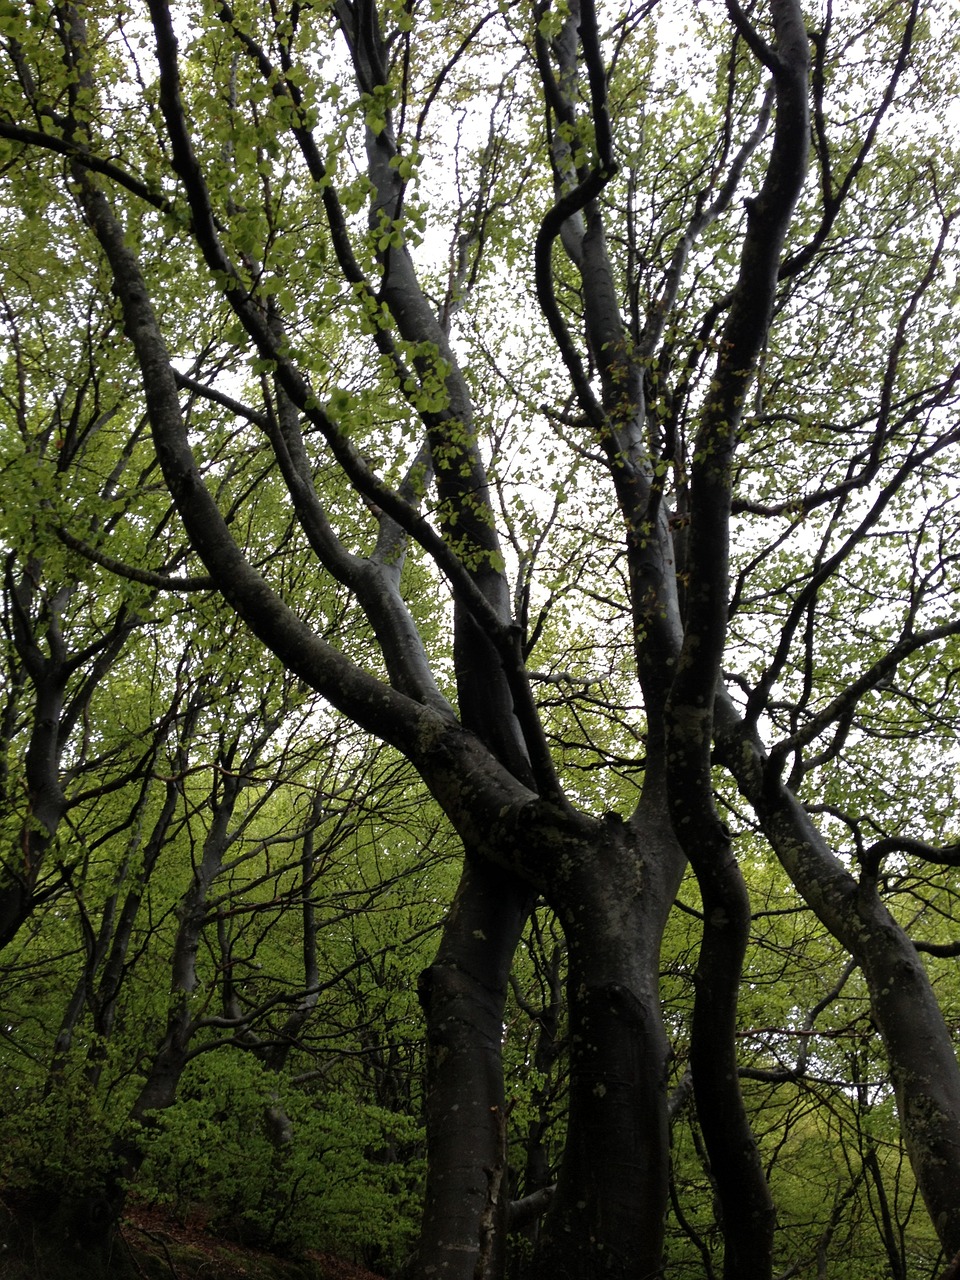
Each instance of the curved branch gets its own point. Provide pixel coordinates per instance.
(80, 154)
(946, 856)
(597, 75)
(757, 700)
(873, 678)
(148, 577)
(255, 322)
(752, 37)
(833, 200)
(657, 317)
(748, 1210)
(566, 207)
(206, 392)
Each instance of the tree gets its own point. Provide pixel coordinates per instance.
(61, 638)
(704, 300)
(223, 915)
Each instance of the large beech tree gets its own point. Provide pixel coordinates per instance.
(603, 362)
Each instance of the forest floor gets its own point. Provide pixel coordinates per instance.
(153, 1245)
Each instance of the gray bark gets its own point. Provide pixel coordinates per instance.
(919, 1047)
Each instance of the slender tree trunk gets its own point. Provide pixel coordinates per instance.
(20, 870)
(525, 1216)
(40, 646)
(923, 1063)
(111, 979)
(749, 1216)
(112, 935)
(159, 1089)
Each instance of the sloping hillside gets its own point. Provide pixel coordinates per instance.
(152, 1245)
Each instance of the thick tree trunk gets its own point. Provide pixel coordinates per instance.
(923, 1062)
(607, 1216)
(463, 994)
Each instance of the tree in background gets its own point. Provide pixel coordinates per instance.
(565, 395)
(182, 1012)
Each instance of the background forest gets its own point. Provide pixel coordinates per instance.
(480, 697)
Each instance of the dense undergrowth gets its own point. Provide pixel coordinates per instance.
(149, 1244)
